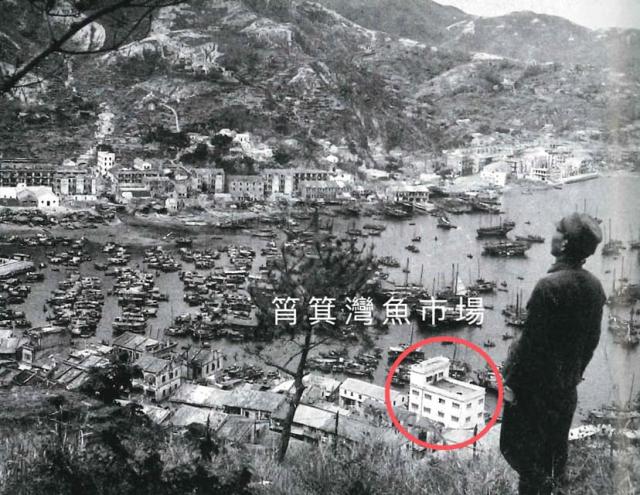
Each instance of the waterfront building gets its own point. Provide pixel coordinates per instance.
(353, 393)
(436, 396)
(246, 187)
(135, 346)
(326, 190)
(253, 404)
(410, 194)
(160, 377)
(16, 171)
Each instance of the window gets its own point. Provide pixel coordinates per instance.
(427, 396)
(440, 414)
(441, 401)
(481, 401)
(455, 419)
(414, 406)
(467, 419)
(480, 415)
(415, 392)
(455, 405)
(427, 410)
(469, 405)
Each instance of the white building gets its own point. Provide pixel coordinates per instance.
(353, 393)
(437, 397)
(106, 161)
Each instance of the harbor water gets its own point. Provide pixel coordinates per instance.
(612, 376)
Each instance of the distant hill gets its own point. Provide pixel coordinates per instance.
(300, 72)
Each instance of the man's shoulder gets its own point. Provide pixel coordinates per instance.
(562, 278)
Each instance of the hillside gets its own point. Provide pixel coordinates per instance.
(299, 72)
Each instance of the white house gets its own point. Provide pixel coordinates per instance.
(353, 393)
(436, 396)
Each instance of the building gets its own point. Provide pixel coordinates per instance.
(204, 363)
(200, 396)
(106, 159)
(247, 187)
(171, 204)
(160, 377)
(136, 345)
(436, 396)
(38, 196)
(28, 172)
(277, 182)
(253, 404)
(43, 342)
(411, 194)
(313, 190)
(353, 393)
(77, 182)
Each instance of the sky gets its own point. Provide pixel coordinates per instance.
(591, 13)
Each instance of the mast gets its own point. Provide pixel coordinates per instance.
(421, 273)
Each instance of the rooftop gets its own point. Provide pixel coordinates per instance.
(254, 400)
(455, 389)
(200, 396)
(431, 365)
(368, 389)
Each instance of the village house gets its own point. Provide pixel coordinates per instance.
(160, 377)
(354, 393)
(204, 363)
(43, 343)
(135, 346)
(436, 396)
(73, 371)
(253, 404)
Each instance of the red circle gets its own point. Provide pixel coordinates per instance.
(433, 340)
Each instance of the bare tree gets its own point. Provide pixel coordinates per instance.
(73, 28)
(316, 269)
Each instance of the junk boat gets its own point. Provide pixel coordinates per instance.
(497, 230)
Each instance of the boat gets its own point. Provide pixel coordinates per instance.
(389, 261)
(412, 248)
(416, 238)
(507, 336)
(489, 343)
(530, 238)
(497, 230)
(184, 242)
(414, 357)
(445, 223)
(506, 248)
(579, 177)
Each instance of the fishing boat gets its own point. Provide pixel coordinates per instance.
(497, 230)
(414, 357)
(412, 248)
(489, 343)
(416, 238)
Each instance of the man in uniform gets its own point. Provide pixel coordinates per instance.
(546, 365)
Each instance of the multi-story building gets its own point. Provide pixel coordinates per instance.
(160, 377)
(277, 181)
(106, 159)
(249, 187)
(438, 397)
(319, 189)
(18, 171)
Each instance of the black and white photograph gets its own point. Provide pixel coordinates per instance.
(332, 247)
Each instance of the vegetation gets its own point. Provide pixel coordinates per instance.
(324, 270)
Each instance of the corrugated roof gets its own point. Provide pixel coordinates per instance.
(186, 415)
(254, 400)
(151, 364)
(200, 396)
(368, 389)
